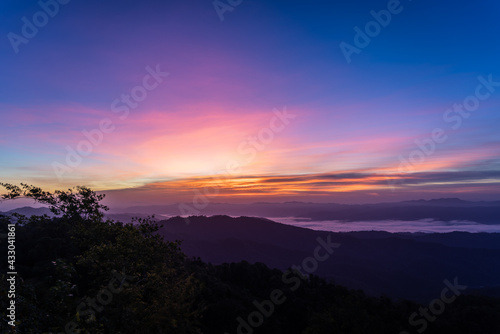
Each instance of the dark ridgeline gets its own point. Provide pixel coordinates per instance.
(411, 266)
(444, 209)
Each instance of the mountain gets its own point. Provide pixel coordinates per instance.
(450, 202)
(445, 209)
(398, 265)
(29, 211)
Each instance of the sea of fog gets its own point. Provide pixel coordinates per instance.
(394, 226)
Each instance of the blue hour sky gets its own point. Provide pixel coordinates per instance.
(160, 98)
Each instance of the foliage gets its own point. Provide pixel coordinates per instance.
(84, 203)
(68, 268)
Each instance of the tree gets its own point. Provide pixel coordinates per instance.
(94, 275)
(83, 203)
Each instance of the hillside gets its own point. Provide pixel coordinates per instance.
(372, 262)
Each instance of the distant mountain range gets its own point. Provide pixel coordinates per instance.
(444, 209)
(29, 211)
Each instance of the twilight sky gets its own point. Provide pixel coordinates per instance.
(161, 101)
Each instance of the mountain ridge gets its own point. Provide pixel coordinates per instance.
(371, 264)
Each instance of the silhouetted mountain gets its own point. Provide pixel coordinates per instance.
(29, 211)
(450, 202)
(445, 209)
(480, 214)
(402, 266)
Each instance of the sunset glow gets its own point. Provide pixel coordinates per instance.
(252, 107)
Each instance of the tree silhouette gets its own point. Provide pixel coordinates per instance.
(83, 203)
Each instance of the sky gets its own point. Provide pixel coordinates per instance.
(241, 101)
